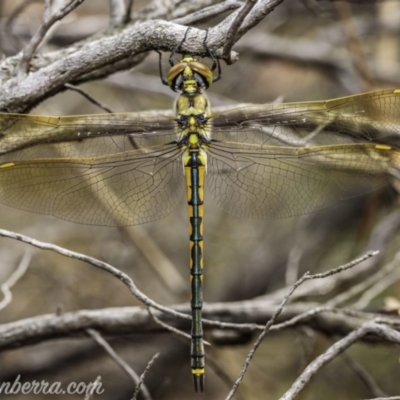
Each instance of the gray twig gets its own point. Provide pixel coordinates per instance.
(233, 29)
(364, 375)
(88, 96)
(128, 12)
(143, 375)
(263, 334)
(94, 334)
(362, 286)
(14, 278)
(48, 20)
(279, 309)
(8, 27)
(171, 328)
(97, 263)
(371, 327)
(117, 12)
(208, 12)
(90, 394)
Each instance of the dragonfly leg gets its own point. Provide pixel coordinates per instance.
(214, 59)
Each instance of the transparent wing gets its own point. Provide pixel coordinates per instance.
(101, 170)
(18, 131)
(278, 182)
(280, 160)
(373, 116)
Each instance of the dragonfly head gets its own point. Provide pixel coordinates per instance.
(190, 76)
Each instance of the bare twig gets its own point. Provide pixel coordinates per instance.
(166, 326)
(303, 317)
(233, 29)
(48, 21)
(263, 334)
(354, 45)
(8, 27)
(14, 278)
(143, 375)
(295, 254)
(88, 96)
(362, 286)
(260, 10)
(171, 328)
(118, 360)
(328, 285)
(96, 384)
(386, 398)
(128, 320)
(364, 375)
(160, 263)
(278, 311)
(128, 13)
(99, 264)
(208, 12)
(371, 327)
(375, 290)
(117, 12)
(344, 267)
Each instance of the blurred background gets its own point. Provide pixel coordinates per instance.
(303, 50)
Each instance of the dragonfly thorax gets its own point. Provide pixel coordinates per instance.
(192, 118)
(190, 76)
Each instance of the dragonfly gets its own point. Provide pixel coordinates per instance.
(269, 160)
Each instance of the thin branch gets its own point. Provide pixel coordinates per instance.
(171, 328)
(364, 375)
(96, 384)
(166, 326)
(89, 97)
(118, 360)
(328, 285)
(344, 267)
(362, 286)
(99, 264)
(263, 334)
(295, 254)
(209, 12)
(303, 317)
(233, 29)
(379, 287)
(143, 375)
(371, 327)
(47, 10)
(14, 278)
(354, 45)
(128, 12)
(8, 27)
(386, 398)
(260, 10)
(117, 12)
(278, 311)
(128, 320)
(158, 260)
(47, 23)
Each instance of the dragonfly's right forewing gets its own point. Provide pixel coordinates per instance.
(280, 160)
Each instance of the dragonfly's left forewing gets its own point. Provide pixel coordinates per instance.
(19, 131)
(108, 169)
